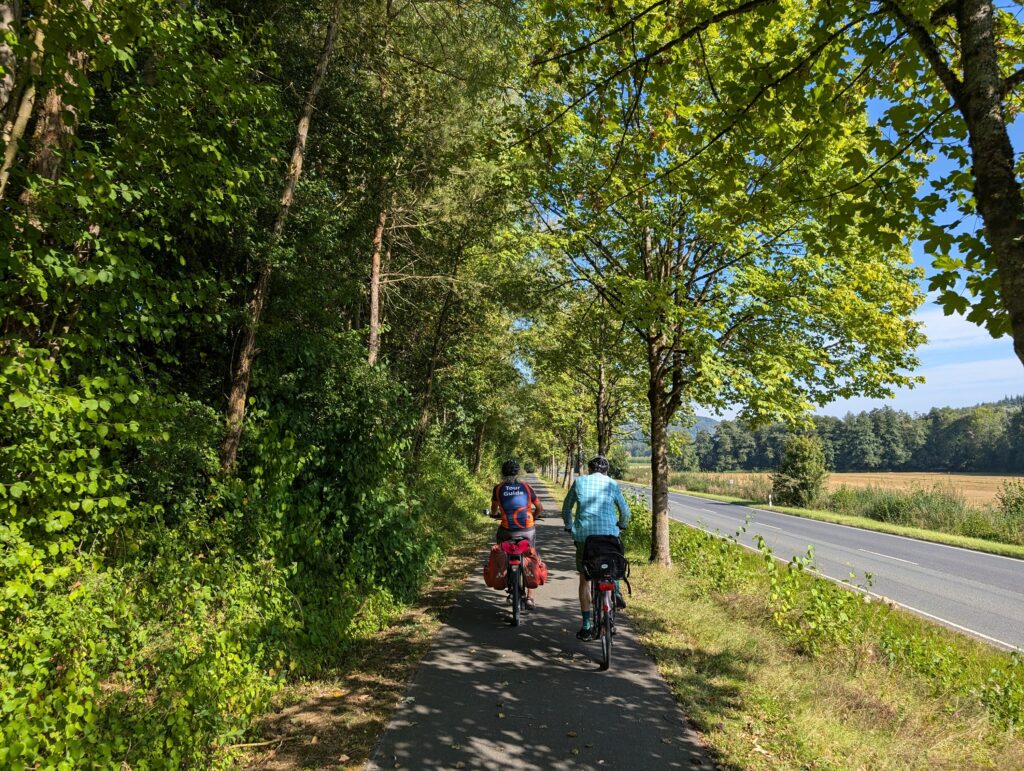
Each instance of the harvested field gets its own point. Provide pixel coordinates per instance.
(978, 489)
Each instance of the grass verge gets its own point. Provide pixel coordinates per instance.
(335, 719)
(762, 705)
(782, 669)
(976, 544)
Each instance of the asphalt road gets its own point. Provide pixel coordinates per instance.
(980, 594)
(488, 695)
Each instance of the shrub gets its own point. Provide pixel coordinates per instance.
(638, 535)
(618, 462)
(1010, 500)
(801, 474)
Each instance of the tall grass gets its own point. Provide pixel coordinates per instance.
(940, 507)
(823, 620)
(750, 487)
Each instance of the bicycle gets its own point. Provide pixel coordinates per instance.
(516, 585)
(602, 594)
(602, 570)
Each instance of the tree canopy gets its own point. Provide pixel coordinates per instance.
(283, 283)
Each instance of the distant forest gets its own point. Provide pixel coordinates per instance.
(988, 437)
(985, 438)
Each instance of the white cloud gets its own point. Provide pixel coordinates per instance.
(951, 332)
(957, 384)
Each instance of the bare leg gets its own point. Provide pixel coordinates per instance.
(585, 604)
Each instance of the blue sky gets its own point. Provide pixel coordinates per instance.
(961, 363)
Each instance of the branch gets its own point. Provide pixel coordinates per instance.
(898, 154)
(602, 37)
(1013, 80)
(700, 27)
(811, 55)
(944, 11)
(707, 70)
(929, 50)
(742, 321)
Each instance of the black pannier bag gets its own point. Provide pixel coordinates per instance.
(604, 558)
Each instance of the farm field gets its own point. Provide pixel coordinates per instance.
(976, 488)
(979, 489)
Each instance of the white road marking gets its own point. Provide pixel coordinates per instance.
(709, 511)
(976, 633)
(868, 551)
(762, 524)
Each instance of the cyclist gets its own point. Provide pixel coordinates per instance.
(600, 510)
(517, 506)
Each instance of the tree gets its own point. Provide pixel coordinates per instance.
(950, 71)
(704, 447)
(241, 372)
(801, 474)
(722, 266)
(682, 452)
(577, 335)
(145, 144)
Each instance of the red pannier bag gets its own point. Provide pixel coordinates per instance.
(534, 569)
(496, 569)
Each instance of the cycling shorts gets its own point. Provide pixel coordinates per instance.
(503, 534)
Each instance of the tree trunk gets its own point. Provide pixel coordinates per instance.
(425, 405)
(568, 467)
(20, 105)
(10, 20)
(241, 370)
(53, 131)
(656, 396)
(478, 447)
(604, 429)
(378, 240)
(996, 187)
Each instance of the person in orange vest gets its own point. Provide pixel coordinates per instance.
(517, 506)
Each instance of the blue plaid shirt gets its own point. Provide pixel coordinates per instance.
(596, 498)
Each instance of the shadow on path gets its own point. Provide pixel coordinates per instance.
(488, 694)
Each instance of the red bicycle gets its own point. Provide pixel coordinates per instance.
(516, 587)
(602, 592)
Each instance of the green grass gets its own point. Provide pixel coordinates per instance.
(780, 668)
(762, 705)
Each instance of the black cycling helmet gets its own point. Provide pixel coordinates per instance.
(510, 468)
(598, 465)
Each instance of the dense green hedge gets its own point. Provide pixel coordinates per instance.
(149, 605)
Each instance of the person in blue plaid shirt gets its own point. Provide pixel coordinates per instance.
(600, 510)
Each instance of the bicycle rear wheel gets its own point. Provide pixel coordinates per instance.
(515, 576)
(607, 628)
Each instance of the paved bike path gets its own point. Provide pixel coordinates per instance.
(488, 695)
